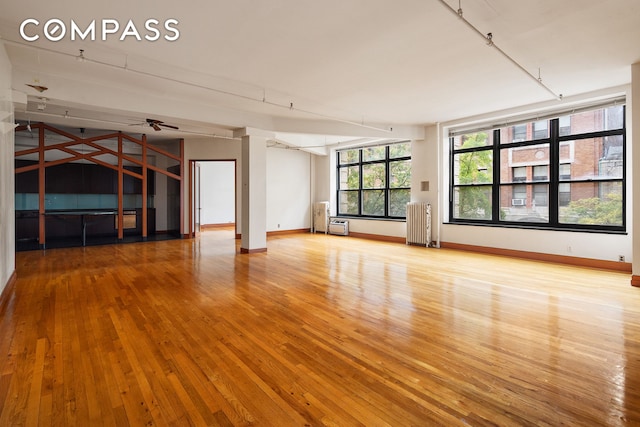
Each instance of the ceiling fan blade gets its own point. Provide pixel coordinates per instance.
(155, 124)
(39, 88)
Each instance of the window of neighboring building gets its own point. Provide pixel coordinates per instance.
(564, 194)
(568, 174)
(519, 174)
(519, 133)
(374, 182)
(541, 129)
(565, 125)
(541, 173)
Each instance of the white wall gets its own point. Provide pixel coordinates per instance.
(288, 189)
(425, 167)
(633, 141)
(7, 177)
(324, 174)
(217, 192)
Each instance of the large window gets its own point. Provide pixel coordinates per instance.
(374, 182)
(566, 172)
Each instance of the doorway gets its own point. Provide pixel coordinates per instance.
(213, 195)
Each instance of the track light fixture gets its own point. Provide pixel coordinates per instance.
(489, 41)
(82, 58)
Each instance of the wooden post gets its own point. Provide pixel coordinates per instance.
(144, 187)
(190, 200)
(41, 187)
(120, 190)
(182, 183)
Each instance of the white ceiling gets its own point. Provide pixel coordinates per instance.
(316, 73)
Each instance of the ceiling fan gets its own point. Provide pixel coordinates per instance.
(159, 124)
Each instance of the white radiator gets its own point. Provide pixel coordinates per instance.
(321, 217)
(418, 224)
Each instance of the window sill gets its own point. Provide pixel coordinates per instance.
(370, 218)
(539, 227)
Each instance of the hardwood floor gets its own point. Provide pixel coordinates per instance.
(319, 330)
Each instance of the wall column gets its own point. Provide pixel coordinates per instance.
(7, 180)
(633, 141)
(254, 190)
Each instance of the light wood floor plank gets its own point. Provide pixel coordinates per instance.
(319, 330)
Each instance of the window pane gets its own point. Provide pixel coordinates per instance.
(597, 158)
(400, 150)
(373, 202)
(398, 200)
(595, 203)
(592, 121)
(349, 156)
(400, 174)
(349, 202)
(349, 178)
(524, 164)
(470, 140)
(373, 176)
(525, 132)
(373, 153)
(475, 167)
(524, 203)
(472, 202)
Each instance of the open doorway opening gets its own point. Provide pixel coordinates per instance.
(213, 196)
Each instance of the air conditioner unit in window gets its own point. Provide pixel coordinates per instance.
(339, 227)
(517, 202)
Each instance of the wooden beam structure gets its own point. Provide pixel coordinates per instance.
(74, 147)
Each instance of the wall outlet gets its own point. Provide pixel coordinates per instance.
(621, 258)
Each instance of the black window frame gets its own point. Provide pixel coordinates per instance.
(387, 189)
(557, 136)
